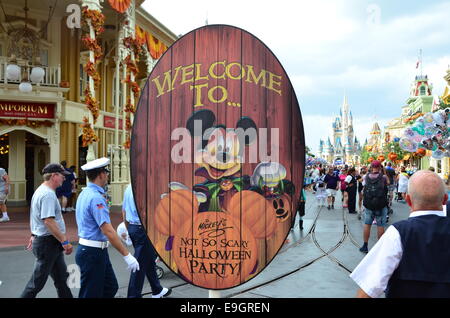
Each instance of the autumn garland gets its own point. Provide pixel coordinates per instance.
(91, 70)
(93, 46)
(133, 44)
(92, 104)
(97, 21)
(89, 135)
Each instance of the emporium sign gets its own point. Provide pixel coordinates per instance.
(217, 156)
(26, 109)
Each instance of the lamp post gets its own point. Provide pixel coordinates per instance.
(13, 70)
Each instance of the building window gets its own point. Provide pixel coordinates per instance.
(423, 90)
(119, 102)
(83, 81)
(44, 57)
(84, 78)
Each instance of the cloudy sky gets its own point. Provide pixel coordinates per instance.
(365, 49)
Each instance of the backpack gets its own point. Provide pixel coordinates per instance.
(375, 193)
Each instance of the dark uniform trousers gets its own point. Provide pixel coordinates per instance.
(146, 256)
(97, 275)
(49, 261)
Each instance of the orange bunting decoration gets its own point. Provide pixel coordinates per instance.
(120, 5)
(155, 47)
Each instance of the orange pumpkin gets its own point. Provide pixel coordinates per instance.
(381, 158)
(392, 156)
(216, 251)
(174, 210)
(370, 159)
(421, 152)
(256, 212)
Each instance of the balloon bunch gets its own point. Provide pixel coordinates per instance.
(429, 132)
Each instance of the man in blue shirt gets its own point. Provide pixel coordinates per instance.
(95, 230)
(143, 252)
(64, 192)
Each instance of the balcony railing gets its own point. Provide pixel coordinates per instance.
(52, 73)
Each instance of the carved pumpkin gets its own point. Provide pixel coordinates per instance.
(381, 158)
(257, 212)
(370, 159)
(175, 208)
(215, 251)
(282, 207)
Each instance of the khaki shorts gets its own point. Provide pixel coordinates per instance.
(3, 197)
(331, 192)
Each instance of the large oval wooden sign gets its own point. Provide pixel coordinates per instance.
(217, 156)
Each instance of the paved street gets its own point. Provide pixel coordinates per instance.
(314, 263)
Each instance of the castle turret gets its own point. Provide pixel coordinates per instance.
(320, 148)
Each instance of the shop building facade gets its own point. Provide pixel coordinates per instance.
(44, 125)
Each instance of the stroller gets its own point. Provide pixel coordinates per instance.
(159, 269)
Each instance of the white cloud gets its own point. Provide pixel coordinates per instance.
(329, 47)
(393, 81)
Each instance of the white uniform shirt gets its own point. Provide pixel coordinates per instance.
(374, 271)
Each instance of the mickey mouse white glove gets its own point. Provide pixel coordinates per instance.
(132, 262)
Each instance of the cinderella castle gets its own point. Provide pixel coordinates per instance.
(343, 147)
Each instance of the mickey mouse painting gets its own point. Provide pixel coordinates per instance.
(219, 156)
(220, 159)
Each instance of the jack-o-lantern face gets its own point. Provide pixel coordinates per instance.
(281, 206)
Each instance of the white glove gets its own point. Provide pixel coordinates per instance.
(132, 262)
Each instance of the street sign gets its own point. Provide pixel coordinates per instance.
(217, 156)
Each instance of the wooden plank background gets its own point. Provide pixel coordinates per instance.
(185, 65)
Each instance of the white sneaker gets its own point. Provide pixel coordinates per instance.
(164, 293)
(4, 219)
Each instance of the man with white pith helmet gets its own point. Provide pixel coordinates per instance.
(95, 231)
